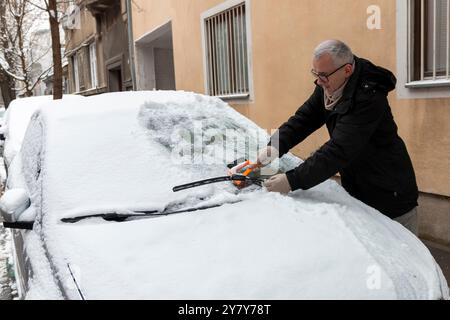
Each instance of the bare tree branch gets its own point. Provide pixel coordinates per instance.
(38, 6)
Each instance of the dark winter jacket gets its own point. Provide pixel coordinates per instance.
(364, 146)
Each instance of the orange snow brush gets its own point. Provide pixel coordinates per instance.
(244, 168)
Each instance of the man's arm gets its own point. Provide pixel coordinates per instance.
(350, 136)
(308, 118)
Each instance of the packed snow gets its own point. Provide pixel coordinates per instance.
(124, 152)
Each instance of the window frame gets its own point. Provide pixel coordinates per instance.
(414, 89)
(217, 10)
(93, 64)
(76, 72)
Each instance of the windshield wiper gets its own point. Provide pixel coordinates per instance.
(121, 217)
(235, 177)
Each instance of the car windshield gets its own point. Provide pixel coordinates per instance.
(206, 137)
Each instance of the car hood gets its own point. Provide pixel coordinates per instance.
(316, 244)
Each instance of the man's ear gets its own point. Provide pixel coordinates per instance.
(348, 70)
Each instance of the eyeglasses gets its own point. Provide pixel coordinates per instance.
(325, 77)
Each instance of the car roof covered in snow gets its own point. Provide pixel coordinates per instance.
(17, 117)
(125, 152)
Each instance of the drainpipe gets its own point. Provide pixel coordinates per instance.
(131, 45)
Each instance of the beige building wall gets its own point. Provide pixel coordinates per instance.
(284, 34)
(83, 30)
(76, 40)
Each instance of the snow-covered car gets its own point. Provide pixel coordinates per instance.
(16, 120)
(115, 158)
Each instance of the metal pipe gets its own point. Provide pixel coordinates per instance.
(131, 44)
(434, 39)
(409, 40)
(448, 39)
(422, 38)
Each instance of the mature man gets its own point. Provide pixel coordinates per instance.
(350, 97)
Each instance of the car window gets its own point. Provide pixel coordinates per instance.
(217, 135)
(200, 137)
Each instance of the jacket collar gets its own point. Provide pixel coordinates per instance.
(347, 97)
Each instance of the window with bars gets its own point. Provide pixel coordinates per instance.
(429, 42)
(226, 53)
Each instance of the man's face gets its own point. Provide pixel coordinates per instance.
(324, 66)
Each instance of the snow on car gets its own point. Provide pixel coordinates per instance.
(16, 121)
(122, 153)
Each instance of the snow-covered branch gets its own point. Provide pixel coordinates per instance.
(25, 42)
(5, 69)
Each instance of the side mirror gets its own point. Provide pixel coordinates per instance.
(13, 203)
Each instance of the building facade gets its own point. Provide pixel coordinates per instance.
(256, 55)
(97, 47)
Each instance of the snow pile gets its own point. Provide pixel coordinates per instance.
(115, 153)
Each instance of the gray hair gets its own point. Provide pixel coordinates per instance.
(340, 53)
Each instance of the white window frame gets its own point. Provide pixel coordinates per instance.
(93, 64)
(76, 74)
(439, 88)
(216, 10)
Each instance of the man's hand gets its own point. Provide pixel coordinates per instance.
(266, 156)
(278, 183)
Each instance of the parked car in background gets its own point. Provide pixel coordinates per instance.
(94, 179)
(2, 113)
(2, 144)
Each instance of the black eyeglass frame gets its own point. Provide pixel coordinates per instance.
(322, 76)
